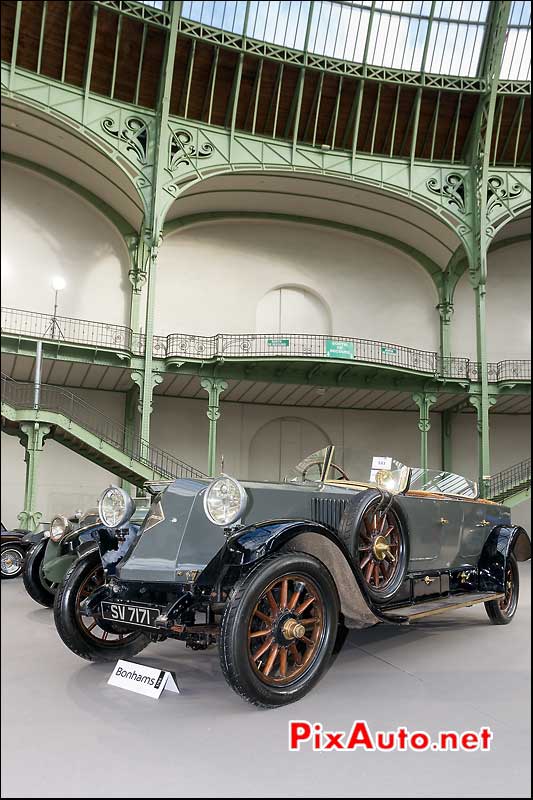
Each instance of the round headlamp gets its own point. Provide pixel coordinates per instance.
(115, 507)
(225, 501)
(58, 528)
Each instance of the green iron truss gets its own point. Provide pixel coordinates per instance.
(162, 154)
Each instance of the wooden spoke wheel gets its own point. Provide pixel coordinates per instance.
(285, 629)
(377, 539)
(279, 628)
(509, 599)
(502, 611)
(102, 631)
(379, 548)
(92, 638)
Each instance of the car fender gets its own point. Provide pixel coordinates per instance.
(250, 545)
(86, 547)
(502, 541)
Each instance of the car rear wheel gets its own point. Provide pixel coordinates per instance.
(38, 587)
(279, 629)
(501, 612)
(376, 538)
(11, 560)
(91, 638)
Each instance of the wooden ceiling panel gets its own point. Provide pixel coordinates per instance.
(30, 32)
(78, 42)
(129, 52)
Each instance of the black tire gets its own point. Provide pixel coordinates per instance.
(501, 612)
(38, 588)
(75, 634)
(235, 648)
(350, 530)
(12, 560)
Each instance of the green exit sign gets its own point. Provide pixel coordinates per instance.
(389, 351)
(278, 342)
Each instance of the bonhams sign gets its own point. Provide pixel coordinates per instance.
(142, 679)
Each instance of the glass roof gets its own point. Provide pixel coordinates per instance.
(442, 37)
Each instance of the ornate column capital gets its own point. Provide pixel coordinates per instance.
(445, 309)
(424, 402)
(36, 433)
(138, 379)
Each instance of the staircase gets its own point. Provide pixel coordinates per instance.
(85, 430)
(512, 485)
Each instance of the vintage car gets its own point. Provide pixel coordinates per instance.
(273, 571)
(13, 549)
(69, 537)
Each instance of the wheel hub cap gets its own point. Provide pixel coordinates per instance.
(381, 548)
(293, 629)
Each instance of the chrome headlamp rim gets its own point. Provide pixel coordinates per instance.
(243, 500)
(62, 523)
(128, 508)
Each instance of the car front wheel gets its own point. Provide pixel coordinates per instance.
(92, 638)
(38, 587)
(502, 611)
(12, 560)
(279, 629)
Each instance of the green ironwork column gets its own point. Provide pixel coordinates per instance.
(481, 228)
(35, 434)
(155, 218)
(424, 402)
(483, 406)
(446, 440)
(445, 309)
(137, 276)
(151, 380)
(130, 426)
(214, 388)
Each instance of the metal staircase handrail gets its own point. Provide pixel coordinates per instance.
(503, 483)
(20, 395)
(257, 345)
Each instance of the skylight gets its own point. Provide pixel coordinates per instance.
(418, 35)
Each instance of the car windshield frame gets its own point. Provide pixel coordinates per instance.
(441, 482)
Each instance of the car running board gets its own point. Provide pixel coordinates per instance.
(416, 611)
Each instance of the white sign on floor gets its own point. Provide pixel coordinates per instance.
(142, 679)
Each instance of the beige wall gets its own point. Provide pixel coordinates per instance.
(508, 307)
(48, 230)
(213, 278)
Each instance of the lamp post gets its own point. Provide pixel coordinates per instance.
(58, 284)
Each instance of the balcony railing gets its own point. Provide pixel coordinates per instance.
(34, 325)
(514, 478)
(51, 398)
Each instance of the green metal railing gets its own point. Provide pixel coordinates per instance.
(510, 480)
(20, 395)
(34, 325)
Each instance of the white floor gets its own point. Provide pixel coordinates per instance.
(67, 734)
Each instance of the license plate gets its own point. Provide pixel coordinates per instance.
(130, 614)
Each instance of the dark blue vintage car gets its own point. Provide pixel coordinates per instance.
(275, 572)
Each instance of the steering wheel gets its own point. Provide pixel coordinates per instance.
(344, 476)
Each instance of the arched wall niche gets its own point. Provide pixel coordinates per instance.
(291, 308)
(280, 444)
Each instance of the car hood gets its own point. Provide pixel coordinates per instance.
(177, 539)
